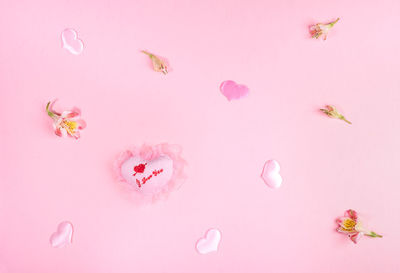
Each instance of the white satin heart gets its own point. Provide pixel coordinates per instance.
(271, 175)
(210, 242)
(71, 42)
(157, 173)
(63, 235)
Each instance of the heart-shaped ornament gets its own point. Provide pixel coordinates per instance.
(63, 235)
(233, 91)
(271, 175)
(210, 242)
(149, 177)
(71, 42)
(151, 171)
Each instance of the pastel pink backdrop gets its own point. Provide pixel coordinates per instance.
(327, 165)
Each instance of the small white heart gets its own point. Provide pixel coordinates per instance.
(63, 235)
(210, 242)
(71, 42)
(271, 175)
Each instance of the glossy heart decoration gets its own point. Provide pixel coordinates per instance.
(210, 242)
(63, 235)
(71, 42)
(147, 176)
(233, 91)
(271, 175)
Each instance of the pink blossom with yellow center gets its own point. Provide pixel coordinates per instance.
(68, 123)
(351, 226)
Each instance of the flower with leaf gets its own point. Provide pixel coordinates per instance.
(67, 123)
(332, 112)
(319, 29)
(159, 64)
(351, 226)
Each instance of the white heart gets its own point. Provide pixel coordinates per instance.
(271, 175)
(71, 42)
(155, 176)
(210, 242)
(63, 235)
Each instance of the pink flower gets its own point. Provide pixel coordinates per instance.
(351, 226)
(68, 123)
(319, 29)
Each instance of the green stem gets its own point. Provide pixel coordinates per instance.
(51, 114)
(147, 53)
(334, 22)
(344, 119)
(374, 235)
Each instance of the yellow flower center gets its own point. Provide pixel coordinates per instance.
(348, 224)
(70, 126)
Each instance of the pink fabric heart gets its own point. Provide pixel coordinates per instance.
(233, 91)
(210, 242)
(71, 42)
(271, 175)
(63, 235)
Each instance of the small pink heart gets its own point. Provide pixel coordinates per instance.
(71, 42)
(210, 242)
(271, 175)
(63, 235)
(233, 91)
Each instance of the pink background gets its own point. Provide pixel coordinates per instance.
(327, 165)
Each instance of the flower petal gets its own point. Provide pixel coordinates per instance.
(352, 214)
(356, 237)
(58, 132)
(341, 220)
(81, 124)
(76, 135)
(70, 114)
(345, 231)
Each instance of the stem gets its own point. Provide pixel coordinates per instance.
(147, 53)
(334, 22)
(373, 234)
(344, 119)
(51, 114)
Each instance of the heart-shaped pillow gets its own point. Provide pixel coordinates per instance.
(151, 172)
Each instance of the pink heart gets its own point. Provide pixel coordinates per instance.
(210, 242)
(147, 176)
(233, 91)
(271, 175)
(71, 42)
(63, 235)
